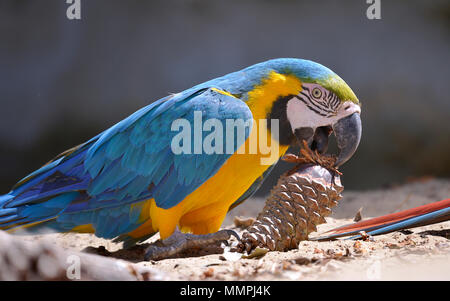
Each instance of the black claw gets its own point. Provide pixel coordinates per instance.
(155, 252)
(233, 233)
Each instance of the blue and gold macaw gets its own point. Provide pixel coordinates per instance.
(127, 183)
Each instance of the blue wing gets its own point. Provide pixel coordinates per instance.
(104, 181)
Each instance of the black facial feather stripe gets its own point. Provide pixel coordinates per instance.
(329, 96)
(327, 105)
(306, 99)
(331, 101)
(311, 108)
(318, 105)
(335, 102)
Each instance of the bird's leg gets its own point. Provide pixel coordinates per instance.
(178, 243)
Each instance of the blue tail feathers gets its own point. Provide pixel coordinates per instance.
(3, 200)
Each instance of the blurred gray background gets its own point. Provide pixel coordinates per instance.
(62, 81)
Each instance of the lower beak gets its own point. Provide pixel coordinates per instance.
(348, 135)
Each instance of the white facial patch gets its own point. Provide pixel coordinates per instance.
(299, 115)
(315, 107)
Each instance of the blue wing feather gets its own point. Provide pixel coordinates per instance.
(98, 182)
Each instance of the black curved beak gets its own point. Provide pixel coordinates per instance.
(348, 132)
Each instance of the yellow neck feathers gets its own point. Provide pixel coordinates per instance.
(262, 97)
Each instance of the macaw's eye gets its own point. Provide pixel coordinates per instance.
(316, 93)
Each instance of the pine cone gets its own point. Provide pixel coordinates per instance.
(299, 202)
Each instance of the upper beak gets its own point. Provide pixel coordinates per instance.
(348, 135)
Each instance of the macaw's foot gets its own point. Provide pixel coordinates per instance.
(184, 245)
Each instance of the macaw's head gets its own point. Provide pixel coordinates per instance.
(311, 103)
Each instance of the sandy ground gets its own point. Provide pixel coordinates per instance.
(420, 254)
